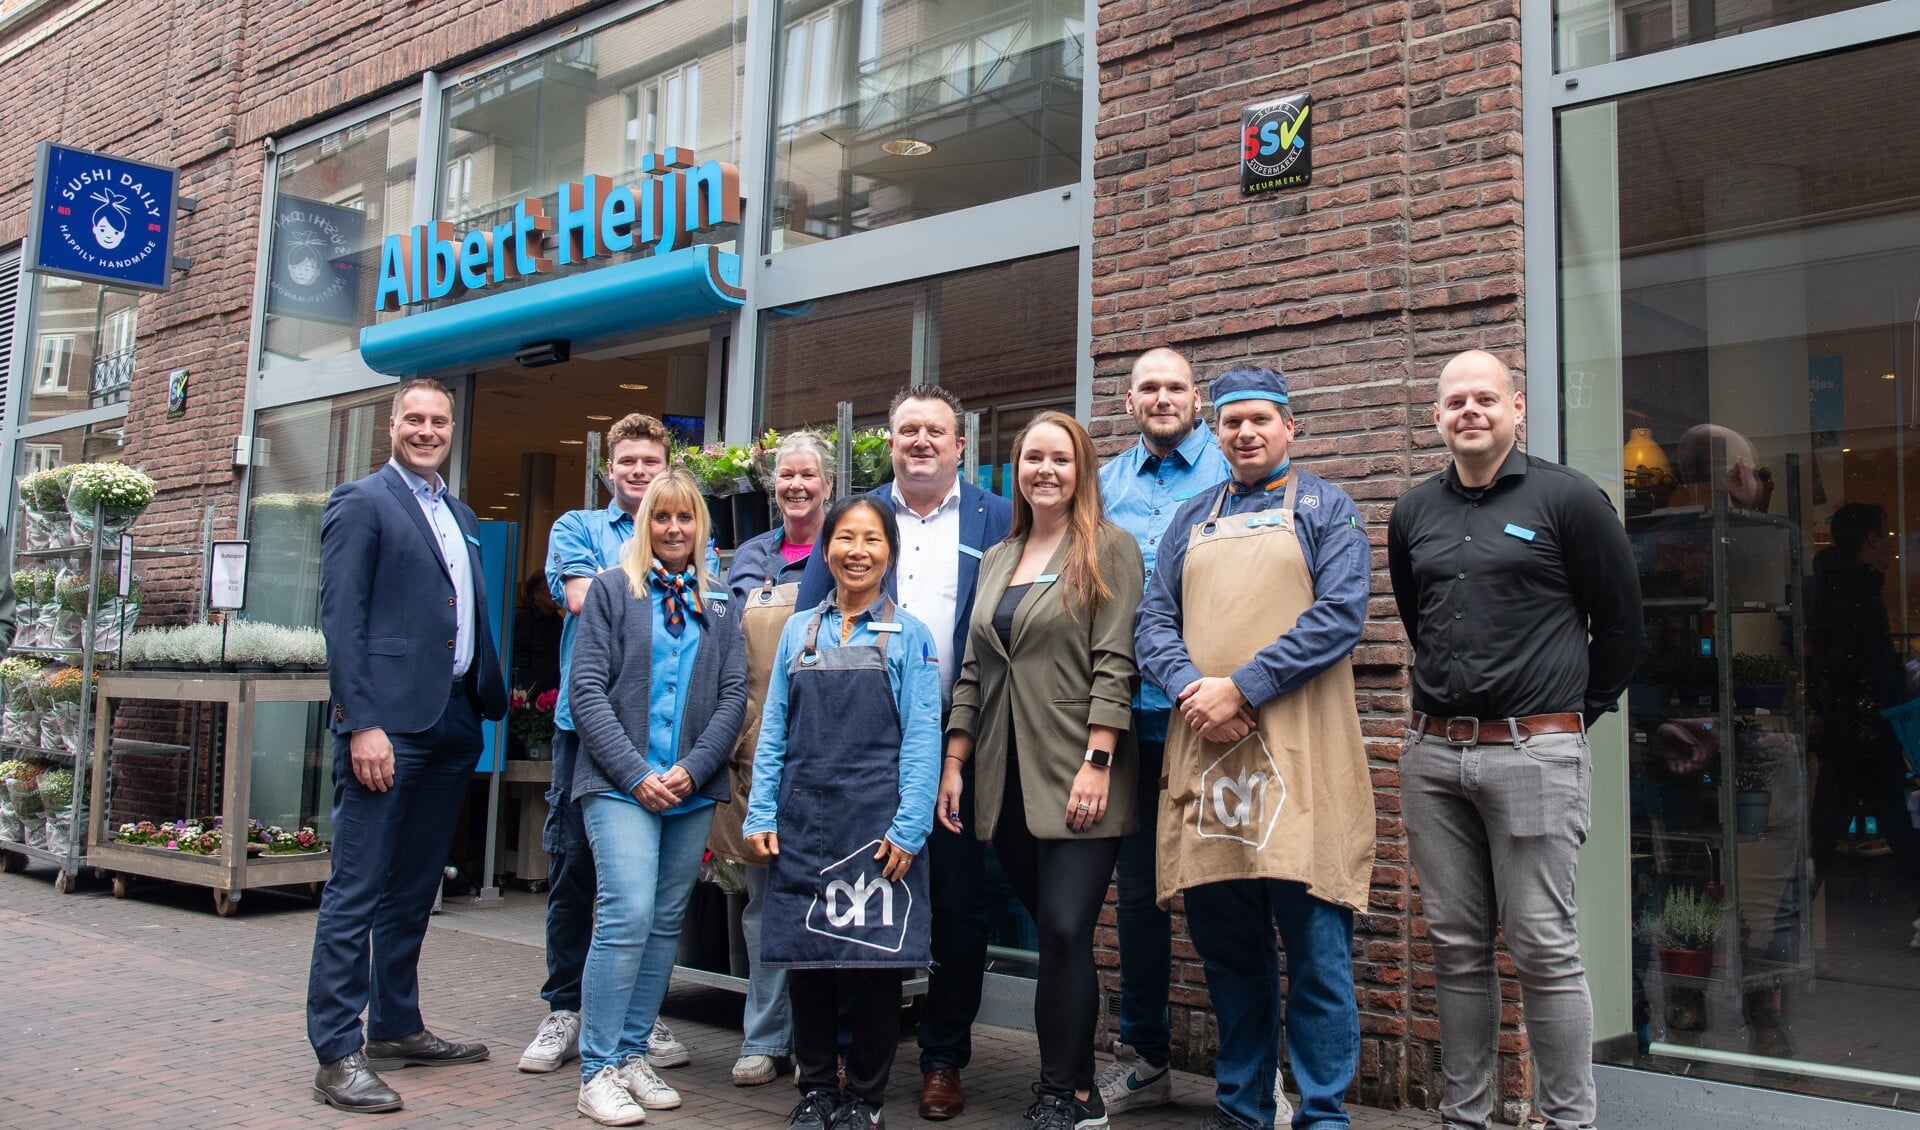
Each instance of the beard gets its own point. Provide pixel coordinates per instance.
(1166, 432)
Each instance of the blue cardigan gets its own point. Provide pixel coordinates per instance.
(612, 659)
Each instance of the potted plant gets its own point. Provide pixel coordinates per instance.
(1754, 766)
(1686, 931)
(306, 650)
(11, 828)
(33, 588)
(21, 722)
(60, 726)
(250, 646)
(43, 496)
(530, 722)
(56, 799)
(304, 841)
(117, 491)
(22, 781)
(1761, 682)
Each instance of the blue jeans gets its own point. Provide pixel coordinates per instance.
(647, 866)
(1232, 926)
(1146, 931)
(767, 1025)
(569, 881)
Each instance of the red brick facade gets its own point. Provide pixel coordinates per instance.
(1405, 249)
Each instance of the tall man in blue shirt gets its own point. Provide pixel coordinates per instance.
(1267, 818)
(403, 606)
(584, 543)
(1176, 459)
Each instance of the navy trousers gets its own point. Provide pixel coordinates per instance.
(389, 852)
(570, 881)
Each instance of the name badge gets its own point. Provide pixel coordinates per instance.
(1271, 518)
(474, 540)
(971, 552)
(885, 626)
(1046, 578)
(1520, 532)
(719, 596)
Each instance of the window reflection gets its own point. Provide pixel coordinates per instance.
(894, 112)
(1588, 32)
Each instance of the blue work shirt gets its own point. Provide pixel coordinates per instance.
(584, 543)
(913, 671)
(671, 668)
(1337, 553)
(1140, 491)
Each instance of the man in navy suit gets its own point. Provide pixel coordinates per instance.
(413, 672)
(945, 527)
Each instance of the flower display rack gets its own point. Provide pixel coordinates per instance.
(83, 552)
(231, 869)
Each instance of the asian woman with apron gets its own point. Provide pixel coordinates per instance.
(764, 579)
(843, 787)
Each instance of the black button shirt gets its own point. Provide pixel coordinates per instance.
(1520, 597)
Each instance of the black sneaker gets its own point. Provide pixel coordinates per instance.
(857, 1115)
(816, 1112)
(1221, 1120)
(1055, 1112)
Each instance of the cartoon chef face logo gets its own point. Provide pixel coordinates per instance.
(110, 219)
(304, 257)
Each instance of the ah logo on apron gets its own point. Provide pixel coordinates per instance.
(857, 905)
(1241, 795)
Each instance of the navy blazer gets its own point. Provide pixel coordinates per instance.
(984, 519)
(386, 608)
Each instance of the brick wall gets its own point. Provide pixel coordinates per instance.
(1405, 249)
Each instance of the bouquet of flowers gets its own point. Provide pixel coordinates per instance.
(119, 491)
(22, 779)
(56, 797)
(33, 587)
(530, 719)
(60, 725)
(21, 722)
(43, 495)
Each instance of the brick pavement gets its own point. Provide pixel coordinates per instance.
(152, 1011)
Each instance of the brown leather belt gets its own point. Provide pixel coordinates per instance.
(1464, 729)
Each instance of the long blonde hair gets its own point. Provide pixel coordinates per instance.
(672, 487)
(1081, 573)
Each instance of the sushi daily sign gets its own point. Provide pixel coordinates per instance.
(102, 219)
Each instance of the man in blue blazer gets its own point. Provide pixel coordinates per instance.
(413, 672)
(945, 527)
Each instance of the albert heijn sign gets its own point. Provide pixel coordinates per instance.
(101, 218)
(592, 217)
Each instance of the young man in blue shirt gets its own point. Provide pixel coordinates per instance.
(1176, 458)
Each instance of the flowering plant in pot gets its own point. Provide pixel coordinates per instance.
(10, 826)
(61, 723)
(21, 722)
(43, 496)
(56, 798)
(22, 781)
(33, 588)
(530, 721)
(294, 843)
(118, 491)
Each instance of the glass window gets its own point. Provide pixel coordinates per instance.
(669, 76)
(1001, 337)
(306, 450)
(894, 112)
(338, 197)
(1741, 367)
(83, 344)
(1589, 32)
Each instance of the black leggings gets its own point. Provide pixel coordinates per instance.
(1063, 884)
(862, 1003)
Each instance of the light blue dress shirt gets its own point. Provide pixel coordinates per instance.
(913, 671)
(432, 498)
(671, 669)
(1141, 491)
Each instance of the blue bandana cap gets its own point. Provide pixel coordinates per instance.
(1247, 384)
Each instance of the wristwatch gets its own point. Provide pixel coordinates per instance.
(1100, 758)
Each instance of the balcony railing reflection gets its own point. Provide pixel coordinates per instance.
(112, 379)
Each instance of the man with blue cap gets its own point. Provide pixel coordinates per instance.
(1266, 812)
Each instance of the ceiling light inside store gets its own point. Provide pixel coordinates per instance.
(574, 442)
(907, 147)
(510, 493)
(496, 508)
(599, 417)
(635, 388)
(1889, 376)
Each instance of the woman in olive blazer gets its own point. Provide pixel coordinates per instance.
(1044, 701)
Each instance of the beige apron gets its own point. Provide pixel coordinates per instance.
(1292, 800)
(762, 617)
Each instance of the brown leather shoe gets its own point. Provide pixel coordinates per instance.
(940, 1095)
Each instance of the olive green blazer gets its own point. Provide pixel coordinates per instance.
(1063, 672)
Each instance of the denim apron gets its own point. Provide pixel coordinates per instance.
(1293, 799)
(762, 617)
(828, 906)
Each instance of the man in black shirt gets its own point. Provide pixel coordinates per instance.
(1519, 593)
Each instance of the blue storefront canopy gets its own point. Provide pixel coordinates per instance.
(600, 305)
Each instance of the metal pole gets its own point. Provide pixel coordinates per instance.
(843, 449)
(592, 492)
(970, 471)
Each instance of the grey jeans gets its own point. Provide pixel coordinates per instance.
(1495, 832)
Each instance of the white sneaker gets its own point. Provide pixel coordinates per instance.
(663, 1050)
(753, 1070)
(1282, 1109)
(557, 1041)
(637, 1076)
(1131, 1083)
(605, 1100)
